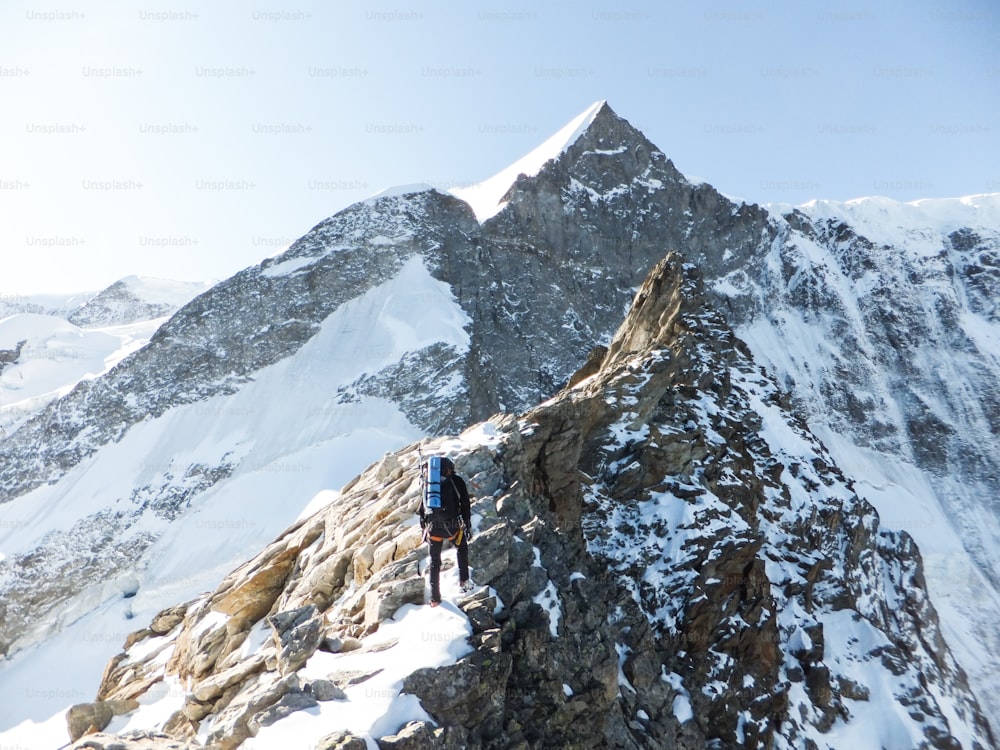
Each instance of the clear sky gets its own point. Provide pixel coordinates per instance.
(188, 140)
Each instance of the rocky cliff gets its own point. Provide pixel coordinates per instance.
(665, 557)
(878, 317)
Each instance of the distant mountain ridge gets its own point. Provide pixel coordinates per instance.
(64, 340)
(60, 305)
(133, 299)
(520, 299)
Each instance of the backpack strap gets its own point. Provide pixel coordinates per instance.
(455, 536)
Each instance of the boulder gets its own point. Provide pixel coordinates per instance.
(326, 690)
(382, 603)
(466, 693)
(89, 717)
(234, 723)
(168, 619)
(288, 704)
(490, 550)
(255, 594)
(212, 687)
(297, 634)
(342, 740)
(417, 735)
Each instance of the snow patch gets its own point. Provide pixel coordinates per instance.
(56, 356)
(287, 267)
(423, 637)
(921, 222)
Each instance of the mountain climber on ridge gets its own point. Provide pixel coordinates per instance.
(452, 520)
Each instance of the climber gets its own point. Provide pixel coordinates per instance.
(451, 521)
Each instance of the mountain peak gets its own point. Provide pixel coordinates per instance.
(487, 197)
(135, 298)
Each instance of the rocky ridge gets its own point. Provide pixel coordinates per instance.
(665, 557)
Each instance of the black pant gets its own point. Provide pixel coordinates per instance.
(462, 551)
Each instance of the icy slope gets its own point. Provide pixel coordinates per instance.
(487, 197)
(56, 355)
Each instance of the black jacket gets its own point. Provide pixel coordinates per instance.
(455, 503)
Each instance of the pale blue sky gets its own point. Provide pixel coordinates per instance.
(188, 140)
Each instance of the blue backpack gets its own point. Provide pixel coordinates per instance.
(430, 474)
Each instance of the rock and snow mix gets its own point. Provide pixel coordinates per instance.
(126, 510)
(47, 346)
(753, 557)
(665, 550)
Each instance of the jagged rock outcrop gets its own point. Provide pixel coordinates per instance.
(666, 557)
(10, 356)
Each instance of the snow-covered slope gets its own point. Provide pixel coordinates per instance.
(920, 224)
(58, 305)
(55, 356)
(280, 441)
(882, 319)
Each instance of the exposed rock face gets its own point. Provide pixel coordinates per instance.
(904, 311)
(10, 356)
(666, 558)
(878, 317)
